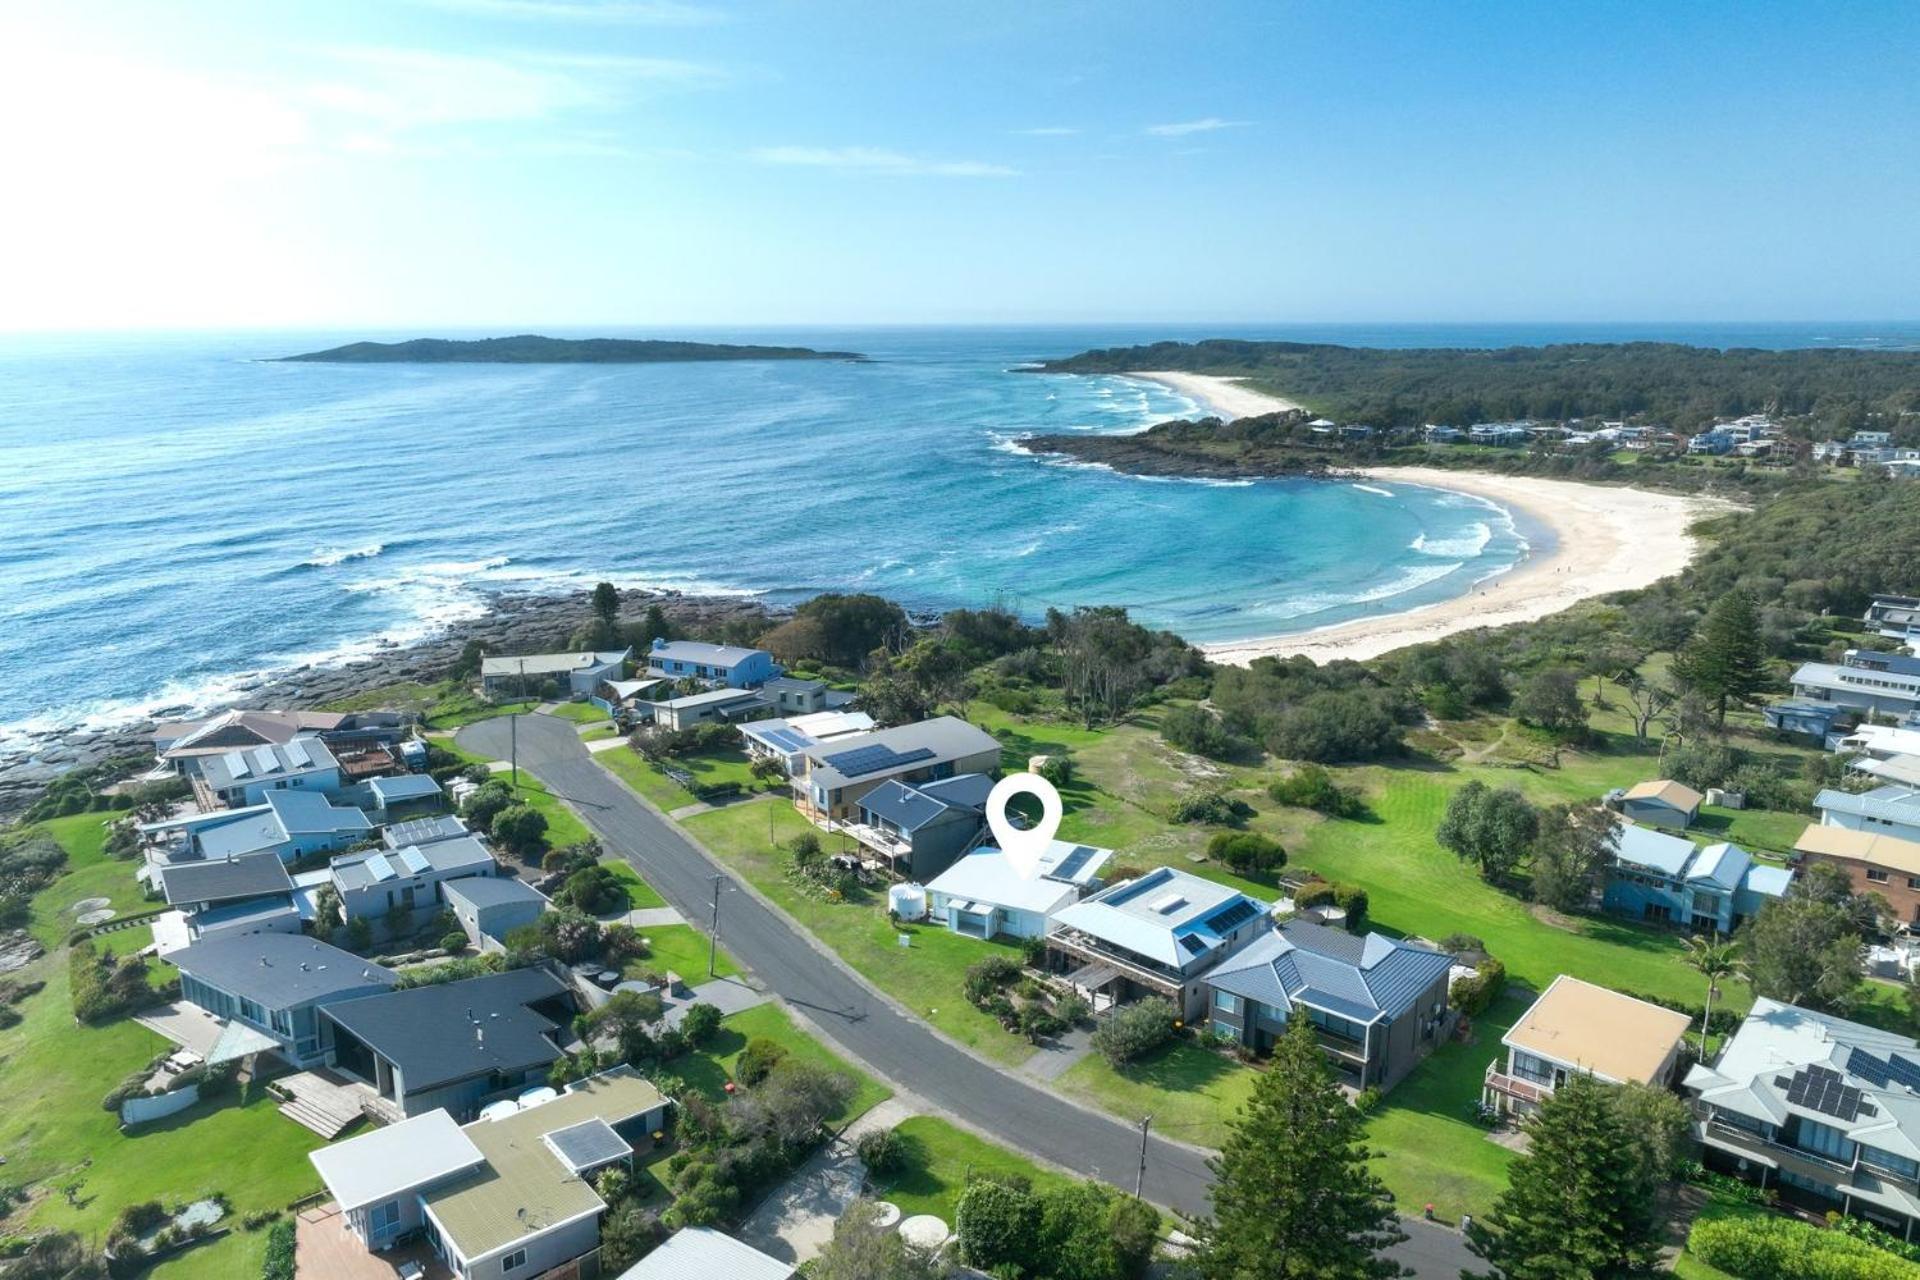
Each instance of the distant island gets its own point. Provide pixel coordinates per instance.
(1680, 386)
(529, 348)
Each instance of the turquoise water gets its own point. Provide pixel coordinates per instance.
(183, 517)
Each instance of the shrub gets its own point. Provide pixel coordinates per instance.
(1314, 893)
(1036, 1024)
(1352, 899)
(1135, 1030)
(595, 890)
(1196, 729)
(758, 1059)
(997, 1225)
(1057, 769)
(988, 976)
(1134, 1227)
(1311, 787)
(279, 1260)
(359, 934)
(522, 830)
(493, 798)
(881, 1150)
(700, 1023)
(1247, 852)
(1073, 1010)
(1473, 996)
(104, 987)
(1367, 1101)
(455, 941)
(1210, 804)
(1455, 943)
(1769, 1248)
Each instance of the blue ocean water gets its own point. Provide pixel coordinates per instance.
(183, 516)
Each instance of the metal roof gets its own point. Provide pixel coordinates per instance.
(281, 970)
(453, 1030)
(405, 786)
(701, 1253)
(1363, 978)
(462, 856)
(550, 664)
(1644, 847)
(587, 1145)
(489, 891)
(309, 812)
(943, 740)
(423, 831)
(391, 1161)
(695, 651)
(986, 876)
(1891, 803)
(1152, 915)
(273, 760)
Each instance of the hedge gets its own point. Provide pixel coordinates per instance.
(279, 1261)
(1473, 996)
(1767, 1248)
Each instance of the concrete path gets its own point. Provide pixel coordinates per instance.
(651, 917)
(866, 1025)
(729, 995)
(1051, 1061)
(606, 744)
(795, 1222)
(686, 811)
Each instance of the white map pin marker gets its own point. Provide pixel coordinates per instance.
(1024, 849)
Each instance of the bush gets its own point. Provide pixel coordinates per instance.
(758, 1059)
(989, 976)
(881, 1150)
(1036, 1024)
(1352, 899)
(521, 830)
(279, 1261)
(1473, 996)
(1311, 787)
(596, 890)
(700, 1023)
(1367, 1101)
(1211, 804)
(1134, 1227)
(1769, 1248)
(455, 941)
(1196, 729)
(1133, 1031)
(1314, 893)
(997, 1225)
(1057, 768)
(1073, 1010)
(104, 987)
(1247, 852)
(359, 934)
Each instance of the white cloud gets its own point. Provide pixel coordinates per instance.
(879, 160)
(1182, 128)
(1048, 131)
(656, 13)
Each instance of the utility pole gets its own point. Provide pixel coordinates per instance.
(713, 933)
(513, 727)
(1140, 1178)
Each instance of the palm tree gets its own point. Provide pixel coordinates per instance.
(1714, 960)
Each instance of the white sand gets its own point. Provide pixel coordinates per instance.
(1606, 538)
(1224, 396)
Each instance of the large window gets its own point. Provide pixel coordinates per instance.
(1345, 1028)
(1824, 1139)
(384, 1218)
(1890, 1162)
(1226, 1002)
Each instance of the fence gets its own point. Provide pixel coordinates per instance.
(144, 1110)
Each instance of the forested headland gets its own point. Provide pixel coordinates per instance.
(529, 348)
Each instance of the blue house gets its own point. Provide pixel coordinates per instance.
(726, 664)
(1809, 719)
(1672, 880)
(922, 828)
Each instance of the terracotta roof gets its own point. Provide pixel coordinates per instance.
(1860, 846)
(1611, 1035)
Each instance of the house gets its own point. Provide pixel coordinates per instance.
(291, 824)
(793, 697)
(407, 795)
(1878, 742)
(920, 829)
(1662, 803)
(1863, 681)
(983, 896)
(698, 1253)
(1890, 810)
(727, 664)
(1579, 1028)
(379, 881)
(182, 745)
(452, 1045)
(1884, 864)
(1716, 440)
(1158, 934)
(491, 907)
(220, 897)
(785, 740)
(499, 1198)
(1834, 451)
(573, 675)
(713, 706)
(1670, 879)
(1441, 435)
(1810, 719)
(423, 831)
(1822, 1110)
(235, 779)
(277, 983)
(1378, 1005)
(832, 777)
(1904, 770)
(1500, 433)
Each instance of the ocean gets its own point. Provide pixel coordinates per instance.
(185, 517)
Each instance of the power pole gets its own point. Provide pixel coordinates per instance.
(713, 933)
(513, 727)
(1140, 1178)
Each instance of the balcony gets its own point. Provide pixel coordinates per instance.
(1126, 965)
(1518, 1088)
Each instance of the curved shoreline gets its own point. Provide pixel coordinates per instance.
(1228, 397)
(1606, 539)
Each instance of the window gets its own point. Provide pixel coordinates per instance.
(1226, 1002)
(514, 1261)
(1876, 875)
(384, 1218)
(1913, 882)
(1825, 1140)
(1890, 1162)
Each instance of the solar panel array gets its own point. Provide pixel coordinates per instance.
(1826, 1091)
(298, 753)
(1193, 942)
(380, 869)
(264, 760)
(1237, 914)
(1885, 1072)
(787, 739)
(236, 762)
(1069, 866)
(589, 1144)
(413, 860)
(862, 761)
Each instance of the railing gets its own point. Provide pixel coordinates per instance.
(1516, 1086)
(1130, 968)
(1757, 1144)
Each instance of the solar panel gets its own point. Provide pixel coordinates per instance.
(787, 739)
(1904, 1070)
(1193, 943)
(1237, 914)
(588, 1145)
(237, 763)
(298, 753)
(380, 869)
(1826, 1091)
(264, 760)
(1070, 866)
(861, 761)
(1869, 1068)
(414, 860)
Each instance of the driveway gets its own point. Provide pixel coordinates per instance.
(896, 1045)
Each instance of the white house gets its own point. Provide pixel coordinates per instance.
(983, 896)
(785, 740)
(577, 674)
(1864, 681)
(1579, 1028)
(292, 824)
(373, 883)
(238, 778)
(1884, 811)
(701, 1253)
(711, 706)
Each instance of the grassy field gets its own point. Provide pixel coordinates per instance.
(444, 704)
(579, 712)
(939, 1158)
(772, 1022)
(599, 731)
(924, 976)
(89, 873)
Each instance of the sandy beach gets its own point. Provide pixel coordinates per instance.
(1606, 539)
(1228, 397)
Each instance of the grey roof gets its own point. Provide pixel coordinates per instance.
(1167, 915)
(442, 857)
(712, 655)
(717, 697)
(482, 892)
(911, 808)
(309, 812)
(255, 830)
(406, 786)
(909, 746)
(1644, 847)
(452, 1030)
(1889, 804)
(782, 684)
(551, 664)
(701, 1253)
(244, 765)
(1364, 978)
(969, 789)
(588, 1144)
(252, 875)
(280, 970)
(383, 1163)
(423, 831)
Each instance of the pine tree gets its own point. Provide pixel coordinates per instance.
(1726, 661)
(1578, 1205)
(1293, 1198)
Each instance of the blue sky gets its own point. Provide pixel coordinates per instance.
(662, 162)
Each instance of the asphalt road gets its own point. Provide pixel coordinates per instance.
(896, 1045)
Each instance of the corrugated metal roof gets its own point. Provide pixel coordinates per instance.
(399, 1158)
(701, 1253)
(1357, 977)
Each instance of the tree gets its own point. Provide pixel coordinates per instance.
(628, 1234)
(892, 696)
(862, 1249)
(1550, 698)
(1726, 661)
(1493, 829)
(1577, 843)
(488, 801)
(1713, 960)
(606, 603)
(850, 627)
(1102, 657)
(1648, 698)
(1660, 1127)
(655, 625)
(998, 1224)
(1577, 1205)
(1804, 948)
(1294, 1198)
(1247, 852)
(522, 829)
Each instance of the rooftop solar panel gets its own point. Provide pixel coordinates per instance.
(1234, 915)
(380, 869)
(1904, 1070)
(788, 739)
(1869, 1068)
(1193, 942)
(237, 763)
(298, 753)
(1069, 867)
(588, 1145)
(264, 760)
(862, 761)
(413, 860)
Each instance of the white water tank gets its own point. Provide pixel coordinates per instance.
(908, 901)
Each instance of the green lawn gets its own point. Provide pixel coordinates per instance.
(563, 826)
(599, 731)
(708, 769)
(579, 712)
(1767, 830)
(1190, 1091)
(89, 873)
(939, 1158)
(683, 949)
(924, 976)
(444, 704)
(640, 894)
(771, 1021)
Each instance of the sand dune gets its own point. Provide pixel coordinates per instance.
(1224, 396)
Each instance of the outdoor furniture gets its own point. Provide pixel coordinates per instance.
(411, 1269)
